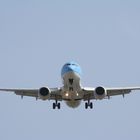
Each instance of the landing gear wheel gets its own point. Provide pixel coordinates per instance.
(58, 105)
(54, 105)
(91, 105)
(88, 104)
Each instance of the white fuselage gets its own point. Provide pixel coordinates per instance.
(71, 89)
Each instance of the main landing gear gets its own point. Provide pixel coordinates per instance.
(88, 104)
(56, 104)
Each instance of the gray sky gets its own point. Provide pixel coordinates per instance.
(38, 37)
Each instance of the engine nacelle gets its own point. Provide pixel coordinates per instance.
(100, 93)
(44, 93)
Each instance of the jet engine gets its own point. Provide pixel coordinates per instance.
(44, 93)
(100, 93)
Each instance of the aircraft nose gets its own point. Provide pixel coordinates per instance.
(70, 68)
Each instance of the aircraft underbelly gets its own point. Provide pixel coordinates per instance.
(73, 104)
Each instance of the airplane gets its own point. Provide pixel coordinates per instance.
(72, 92)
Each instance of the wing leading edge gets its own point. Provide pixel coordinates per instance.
(121, 91)
(89, 93)
(23, 92)
(55, 93)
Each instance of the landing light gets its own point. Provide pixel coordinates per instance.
(66, 94)
(77, 94)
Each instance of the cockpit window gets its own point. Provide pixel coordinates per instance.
(68, 64)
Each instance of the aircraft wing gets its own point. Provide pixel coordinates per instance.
(55, 93)
(121, 91)
(89, 92)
